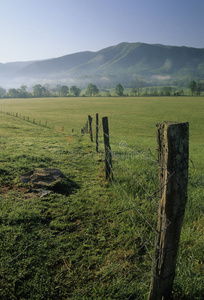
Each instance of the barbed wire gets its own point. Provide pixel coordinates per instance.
(44, 124)
(149, 196)
(124, 197)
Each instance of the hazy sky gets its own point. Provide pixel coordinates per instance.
(41, 29)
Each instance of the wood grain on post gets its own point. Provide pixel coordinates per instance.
(173, 154)
(108, 155)
(90, 127)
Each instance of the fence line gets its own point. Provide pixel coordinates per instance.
(119, 189)
(170, 165)
(34, 121)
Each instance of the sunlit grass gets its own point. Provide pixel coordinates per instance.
(60, 266)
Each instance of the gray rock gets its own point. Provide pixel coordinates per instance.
(48, 177)
(41, 192)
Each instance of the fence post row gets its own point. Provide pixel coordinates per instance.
(90, 127)
(173, 154)
(108, 155)
(97, 132)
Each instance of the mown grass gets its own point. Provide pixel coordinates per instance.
(65, 246)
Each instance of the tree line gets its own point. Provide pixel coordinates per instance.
(39, 91)
(196, 87)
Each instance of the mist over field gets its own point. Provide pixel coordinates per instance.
(152, 64)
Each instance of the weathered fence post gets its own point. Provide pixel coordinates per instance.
(86, 128)
(173, 154)
(108, 155)
(90, 127)
(97, 132)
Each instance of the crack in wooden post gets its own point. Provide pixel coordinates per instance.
(173, 154)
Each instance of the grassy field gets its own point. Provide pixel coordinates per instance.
(87, 242)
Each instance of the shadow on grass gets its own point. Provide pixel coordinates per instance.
(65, 187)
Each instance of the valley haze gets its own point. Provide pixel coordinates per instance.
(154, 64)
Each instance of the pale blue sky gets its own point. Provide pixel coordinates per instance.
(42, 29)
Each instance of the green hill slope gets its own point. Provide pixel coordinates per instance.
(153, 63)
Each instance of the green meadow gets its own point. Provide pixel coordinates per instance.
(86, 240)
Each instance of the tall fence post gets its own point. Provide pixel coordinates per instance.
(173, 154)
(97, 132)
(90, 127)
(108, 155)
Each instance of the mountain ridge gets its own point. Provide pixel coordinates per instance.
(154, 63)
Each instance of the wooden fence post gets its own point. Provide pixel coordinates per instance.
(90, 127)
(97, 132)
(173, 154)
(86, 127)
(108, 155)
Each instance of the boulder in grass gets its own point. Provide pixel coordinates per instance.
(46, 178)
(49, 179)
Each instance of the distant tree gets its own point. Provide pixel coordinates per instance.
(75, 91)
(137, 84)
(193, 87)
(64, 90)
(2, 92)
(166, 90)
(46, 90)
(38, 90)
(134, 91)
(155, 92)
(92, 90)
(13, 93)
(199, 88)
(146, 92)
(119, 89)
(23, 92)
(56, 90)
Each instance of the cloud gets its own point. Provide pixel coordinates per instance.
(160, 77)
